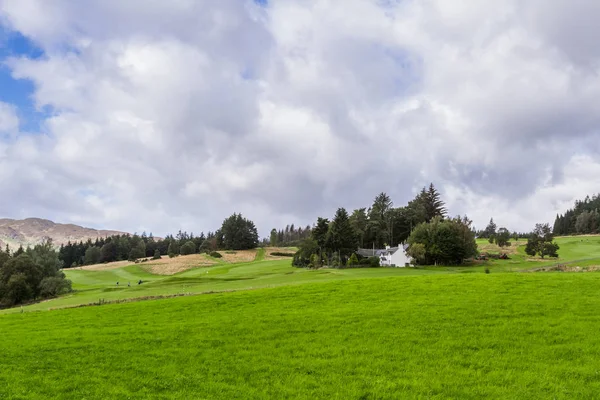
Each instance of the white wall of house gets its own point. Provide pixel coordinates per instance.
(399, 258)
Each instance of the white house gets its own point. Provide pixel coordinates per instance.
(390, 256)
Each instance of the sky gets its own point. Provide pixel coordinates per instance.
(151, 115)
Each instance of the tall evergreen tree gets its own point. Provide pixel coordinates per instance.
(341, 237)
(359, 222)
(434, 206)
(319, 232)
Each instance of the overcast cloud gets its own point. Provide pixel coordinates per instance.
(162, 115)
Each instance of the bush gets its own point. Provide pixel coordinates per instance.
(188, 248)
(374, 262)
(54, 286)
(487, 270)
(156, 255)
(352, 261)
(314, 261)
(368, 262)
(281, 254)
(215, 254)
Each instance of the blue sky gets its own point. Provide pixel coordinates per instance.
(18, 92)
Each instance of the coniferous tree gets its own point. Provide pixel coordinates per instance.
(359, 222)
(341, 237)
(434, 206)
(319, 233)
(238, 233)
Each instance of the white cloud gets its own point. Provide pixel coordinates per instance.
(9, 122)
(171, 115)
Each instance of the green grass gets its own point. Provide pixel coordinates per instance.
(92, 286)
(462, 336)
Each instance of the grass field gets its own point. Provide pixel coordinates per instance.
(463, 336)
(99, 284)
(269, 330)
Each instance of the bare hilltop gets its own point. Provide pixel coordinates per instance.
(31, 231)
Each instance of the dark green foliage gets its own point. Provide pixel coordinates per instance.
(92, 255)
(53, 286)
(108, 252)
(379, 225)
(282, 254)
(583, 218)
(502, 237)
(374, 262)
(341, 237)
(434, 206)
(416, 251)
(288, 237)
(215, 254)
(238, 233)
(156, 255)
(302, 258)
(188, 247)
(137, 251)
(173, 249)
(446, 242)
(30, 275)
(19, 251)
(360, 223)
(319, 233)
(541, 243)
(489, 231)
(352, 261)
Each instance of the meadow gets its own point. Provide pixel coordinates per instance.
(466, 336)
(268, 330)
(93, 286)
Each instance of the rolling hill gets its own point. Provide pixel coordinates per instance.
(31, 231)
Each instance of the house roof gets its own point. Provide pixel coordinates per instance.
(370, 252)
(380, 252)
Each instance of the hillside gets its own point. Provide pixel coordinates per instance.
(461, 336)
(31, 231)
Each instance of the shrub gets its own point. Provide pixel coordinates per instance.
(487, 270)
(156, 255)
(53, 286)
(281, 254)
(374, 262)
(188, 247)
(352, 261)
(215, 254)
(314, 261)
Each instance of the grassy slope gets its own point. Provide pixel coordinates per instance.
(467, 336)
(94, 285)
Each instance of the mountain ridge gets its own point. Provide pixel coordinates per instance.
(32, 231)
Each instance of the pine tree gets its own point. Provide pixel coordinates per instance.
(434, 206)
(341, 237)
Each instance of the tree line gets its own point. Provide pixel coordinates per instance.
(289, 237)
(500, 236)
(236, 233)
(583, 218)
(423, 223)
(31, 274)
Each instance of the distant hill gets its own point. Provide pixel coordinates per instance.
(31, 231)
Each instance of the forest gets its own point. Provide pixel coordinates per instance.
(422, 223)
(236, 233)
(31, 274)
(582, 219)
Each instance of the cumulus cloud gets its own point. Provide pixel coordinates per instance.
(9, 122)
(169, 115)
